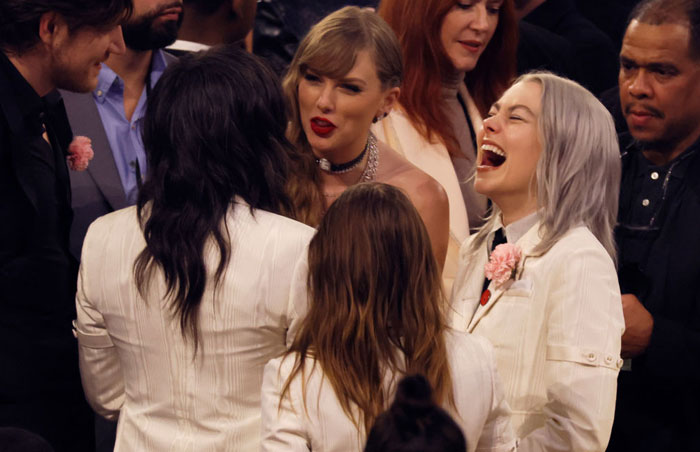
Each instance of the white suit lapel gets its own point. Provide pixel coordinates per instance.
(526, 243)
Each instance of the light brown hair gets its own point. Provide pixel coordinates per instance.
(376, 302)
(330, 49)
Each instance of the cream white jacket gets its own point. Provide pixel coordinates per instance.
(134, 362)
(400, 134)
(556, 331)
(322, 426)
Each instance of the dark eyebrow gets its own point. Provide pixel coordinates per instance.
(653, 66)
(357, 81)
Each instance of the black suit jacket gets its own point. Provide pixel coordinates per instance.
(40, 386)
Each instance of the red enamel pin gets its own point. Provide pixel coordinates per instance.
(485, 297)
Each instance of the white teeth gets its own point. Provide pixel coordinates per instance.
(494, 149)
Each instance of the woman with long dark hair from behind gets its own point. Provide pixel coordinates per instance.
(375, 314)
(183, 298)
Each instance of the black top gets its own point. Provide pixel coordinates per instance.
(594, 52)
(40, 386)
(659, 262)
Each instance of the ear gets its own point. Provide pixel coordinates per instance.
(52, 26)
(391, 97)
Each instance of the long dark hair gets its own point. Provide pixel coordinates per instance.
(374, 289)
(214, 132)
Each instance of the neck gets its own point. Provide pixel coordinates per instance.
(513, 210)
(340, 156)
(209, 30)
(132, 67)
(661, 155)
(32, 67)
(526, 7)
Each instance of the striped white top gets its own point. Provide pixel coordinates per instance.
(134, 361)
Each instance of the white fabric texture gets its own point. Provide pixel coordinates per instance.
(145, 373)
(322, 426)
(556, 331)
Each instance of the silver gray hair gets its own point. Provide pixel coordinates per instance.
(578, 173)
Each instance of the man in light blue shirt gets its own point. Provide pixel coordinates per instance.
(111, 115)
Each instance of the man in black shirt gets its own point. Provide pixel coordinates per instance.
(659, 230)
(44, 45)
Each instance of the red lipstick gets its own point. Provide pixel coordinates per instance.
(322, 126)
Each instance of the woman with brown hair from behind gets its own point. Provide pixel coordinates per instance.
(375, 314)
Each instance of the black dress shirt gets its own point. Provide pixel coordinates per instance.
(40, 388)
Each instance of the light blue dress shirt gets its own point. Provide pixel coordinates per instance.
(124, 136)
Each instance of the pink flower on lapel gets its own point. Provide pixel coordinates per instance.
(80, 153)
(502, 263)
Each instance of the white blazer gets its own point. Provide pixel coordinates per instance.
(556, 331)
(134, 361)
(400, 134)
(322, 426)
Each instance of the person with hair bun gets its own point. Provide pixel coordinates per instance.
(183, 298)
(459, 57)
(376, 313)
(415, 423)
(538, 279)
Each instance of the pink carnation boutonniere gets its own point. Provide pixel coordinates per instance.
(503, 263)
(80, 153)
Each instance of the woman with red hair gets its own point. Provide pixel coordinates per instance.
(459, 57)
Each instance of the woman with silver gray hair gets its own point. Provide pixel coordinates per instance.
(538, 279)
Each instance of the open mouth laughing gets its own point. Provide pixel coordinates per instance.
(492, 156)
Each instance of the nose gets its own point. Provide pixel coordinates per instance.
(116, 45)
(480, 21)
(639, 86)
(492, 124)
(326, 98)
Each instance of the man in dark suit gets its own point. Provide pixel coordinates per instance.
(44, 45)
(112, 113)
(658, 236)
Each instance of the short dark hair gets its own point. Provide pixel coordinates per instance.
(19, 19)
(658, 12)
(414, 423)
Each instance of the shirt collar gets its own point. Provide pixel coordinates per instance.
(28, 102)
(107, 77)
(187, 46)
(516, 230)
(678, 166)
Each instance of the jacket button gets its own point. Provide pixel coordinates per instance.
(591, 357)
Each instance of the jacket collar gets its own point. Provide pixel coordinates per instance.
(527, 244)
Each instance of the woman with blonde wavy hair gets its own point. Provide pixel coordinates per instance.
(345, 76)
(375, 314)
(538, 279)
